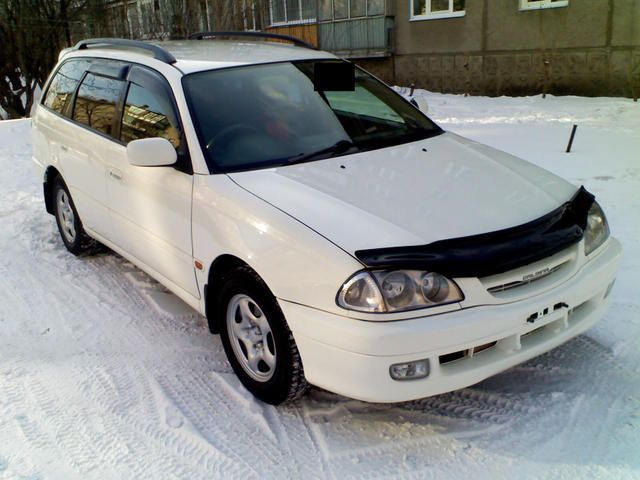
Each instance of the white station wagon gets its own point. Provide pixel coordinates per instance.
(329, 231)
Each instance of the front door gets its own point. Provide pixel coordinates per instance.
(151, 206)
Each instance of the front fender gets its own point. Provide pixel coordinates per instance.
(298, 264)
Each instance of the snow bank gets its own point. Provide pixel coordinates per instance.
(103, 374)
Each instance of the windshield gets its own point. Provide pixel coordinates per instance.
(267, 115)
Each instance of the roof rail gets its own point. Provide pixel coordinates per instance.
(158, 52)
(273, 36)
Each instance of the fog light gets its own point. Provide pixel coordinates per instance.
(409, 370)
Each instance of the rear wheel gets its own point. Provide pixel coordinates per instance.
(69, 225)
(257, 340)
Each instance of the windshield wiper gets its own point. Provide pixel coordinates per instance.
(339, 147)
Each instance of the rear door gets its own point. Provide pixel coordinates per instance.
(150, 207)
(95, 116)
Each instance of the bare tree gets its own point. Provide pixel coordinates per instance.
(32, 32)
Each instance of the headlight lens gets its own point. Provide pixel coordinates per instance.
(435, 288)
(397, 290)
(361, 293)
(597, 229)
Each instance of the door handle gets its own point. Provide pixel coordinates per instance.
(64, 148)
(115, 174)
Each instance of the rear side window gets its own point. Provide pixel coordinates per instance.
(148, 113)
(96, 102)
(64, 83)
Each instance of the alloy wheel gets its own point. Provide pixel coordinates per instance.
(251, 337)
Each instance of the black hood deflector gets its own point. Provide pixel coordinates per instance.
(494, 252)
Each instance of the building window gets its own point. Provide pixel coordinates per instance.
(349, 9)
(375, 7)
(292, 11)
(340, 9)
(537, 4)
(434, 9)
(249, 15)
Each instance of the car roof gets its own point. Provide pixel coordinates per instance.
(199, 55)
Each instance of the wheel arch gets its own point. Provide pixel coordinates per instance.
(220, 267)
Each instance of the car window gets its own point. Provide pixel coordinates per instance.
(266, 115)
(362, 102)
(148, 114)
(63, 84)
(256, 114)
(96, 102)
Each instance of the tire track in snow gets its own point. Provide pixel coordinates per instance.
(117, 288)
(206, 408)
(152, 434)
(605, 404)
(473, 404)
(300, 463)
(67, 432)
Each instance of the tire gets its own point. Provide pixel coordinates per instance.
(69, 225)
(246, 306)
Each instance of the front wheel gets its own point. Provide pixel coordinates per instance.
(257, 340)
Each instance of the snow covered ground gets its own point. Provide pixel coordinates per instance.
(105, 375)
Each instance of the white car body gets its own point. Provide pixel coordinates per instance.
(299, 227)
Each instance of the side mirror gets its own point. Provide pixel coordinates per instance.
(420, 103)
(151, 152)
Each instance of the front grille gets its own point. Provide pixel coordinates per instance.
(452, 357)
(510, 285)
(469, 352)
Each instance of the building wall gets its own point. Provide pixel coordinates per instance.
(591, 47)
(307, 32)
(380, 67)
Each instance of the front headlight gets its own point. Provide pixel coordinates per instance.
(397, 290)
(597, 230)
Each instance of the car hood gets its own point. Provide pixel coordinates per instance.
(413, 194)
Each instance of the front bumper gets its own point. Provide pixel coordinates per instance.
(352, 357)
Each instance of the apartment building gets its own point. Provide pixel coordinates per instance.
(489, 47)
